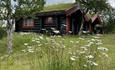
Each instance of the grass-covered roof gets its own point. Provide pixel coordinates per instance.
(57, 7)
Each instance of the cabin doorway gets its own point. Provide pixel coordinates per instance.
(76, 21)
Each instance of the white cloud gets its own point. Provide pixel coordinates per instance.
(112, 3)
(59, 1)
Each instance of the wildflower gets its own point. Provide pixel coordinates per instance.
(33, 40)
(62, 45)
(102, 49)
(106, 55)
(81, 38)
(82, 52)
(99, 43)
(95, 64)
(1, 58)
(84, 48)
(25, 44)
(47, 38)
(77, 42)
(29, 47)
(40, 45)
(70, 53)
(93, 40)
(23, 50)
(59, 36)
(73, 58)
(30, 50)
(96, 37)
(85, 65)
(90, 57)
(71, 41)
(98, 40)
(92, 63)
(41, 37)
(89, 44)
(37, 41)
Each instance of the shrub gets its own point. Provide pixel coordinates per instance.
(2, 32)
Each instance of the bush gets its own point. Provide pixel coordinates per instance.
(109, 21)
(110, 27)
(2, 32)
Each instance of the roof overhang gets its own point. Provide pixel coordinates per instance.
(67, 12)
(72, 10)
(96, 17)
(51, 13)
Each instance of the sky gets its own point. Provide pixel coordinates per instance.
(59, 1)
(112, 2)
(49, 2)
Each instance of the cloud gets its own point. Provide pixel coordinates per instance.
(112, 3)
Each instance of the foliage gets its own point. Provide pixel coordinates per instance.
(94, 5)
(109, 21)
(20, 8)
(28, 7)
(2, 32)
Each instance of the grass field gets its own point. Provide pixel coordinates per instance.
(36, 52)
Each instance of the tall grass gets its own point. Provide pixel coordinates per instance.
(56, 53)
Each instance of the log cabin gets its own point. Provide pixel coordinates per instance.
(65, 20)
(96, 24)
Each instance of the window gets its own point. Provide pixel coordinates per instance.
(49, 20)
(28, 23)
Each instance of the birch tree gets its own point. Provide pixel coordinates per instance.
(10, 9)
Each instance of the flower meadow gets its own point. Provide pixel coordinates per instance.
(58, 53)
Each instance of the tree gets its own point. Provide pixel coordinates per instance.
(92, 6)
(109, 21)
(10, 9)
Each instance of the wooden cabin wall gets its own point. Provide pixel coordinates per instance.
(50, 22)
(38, 24)
(61, 21)
(87, 26)
(20, 28)
(76, 21)
(94, 29)
(57, 21)
(18, 25)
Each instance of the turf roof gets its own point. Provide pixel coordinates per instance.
(57, 7)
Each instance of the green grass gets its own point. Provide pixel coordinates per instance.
(40, 59)
(57, 7)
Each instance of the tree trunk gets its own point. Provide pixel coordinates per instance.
(81, 27)
(9, 35)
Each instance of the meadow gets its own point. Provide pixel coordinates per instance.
(40, 52)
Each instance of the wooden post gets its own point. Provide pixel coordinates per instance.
(90, 28)
(67, 24)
